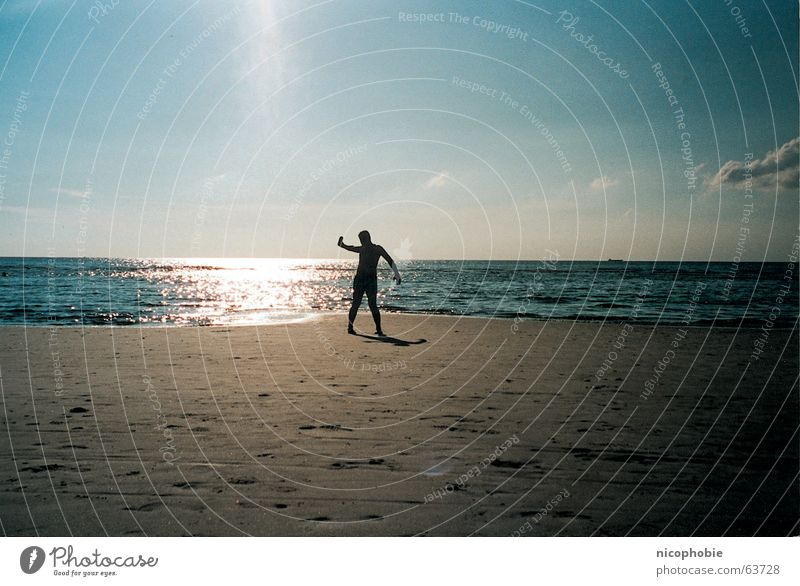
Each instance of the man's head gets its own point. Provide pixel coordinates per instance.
(364, 237)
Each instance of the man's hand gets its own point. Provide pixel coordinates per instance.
(397, 278)
(341, 239)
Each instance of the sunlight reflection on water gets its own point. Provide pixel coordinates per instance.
(240, 291)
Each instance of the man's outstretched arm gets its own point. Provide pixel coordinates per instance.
(341, 244)
(389, 259)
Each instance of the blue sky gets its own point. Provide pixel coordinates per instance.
(448, 129)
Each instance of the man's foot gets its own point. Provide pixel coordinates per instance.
(380, 333)
(350, 330)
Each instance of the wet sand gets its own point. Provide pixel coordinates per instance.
(450, 427)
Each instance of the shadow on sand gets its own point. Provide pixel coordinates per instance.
(391, 340)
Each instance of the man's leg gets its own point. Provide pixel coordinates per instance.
(358, 294)
(372, 299)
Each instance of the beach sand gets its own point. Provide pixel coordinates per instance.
(454, 426)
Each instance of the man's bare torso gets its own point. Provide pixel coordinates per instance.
(368, 257)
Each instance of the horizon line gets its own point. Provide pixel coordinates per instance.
(617, 260)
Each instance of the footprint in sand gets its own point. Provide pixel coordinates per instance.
(145, 507)
(508, 464)
(240, 481)
(344, 465)
(36, 469)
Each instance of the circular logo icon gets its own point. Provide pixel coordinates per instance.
(31, 559)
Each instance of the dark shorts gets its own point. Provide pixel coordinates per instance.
(365, 284)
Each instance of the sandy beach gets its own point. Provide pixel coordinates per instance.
(451, 426)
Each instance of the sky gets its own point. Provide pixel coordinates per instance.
(457, 130)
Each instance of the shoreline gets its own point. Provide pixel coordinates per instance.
(313, 316)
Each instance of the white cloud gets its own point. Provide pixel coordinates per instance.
(436, 181)
(604, 182)
(780, 167)
(79, 193)
(31, 213)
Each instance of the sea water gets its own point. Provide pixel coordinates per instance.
(190, 292)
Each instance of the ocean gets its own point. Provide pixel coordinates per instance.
(201, 292)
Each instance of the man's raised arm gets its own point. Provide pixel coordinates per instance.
(341, 244)
(388, 258)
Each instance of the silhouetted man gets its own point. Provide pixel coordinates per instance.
(366, 280)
